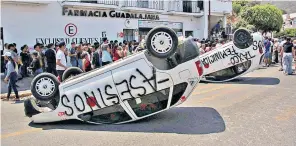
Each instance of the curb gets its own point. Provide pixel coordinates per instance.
(21, 94)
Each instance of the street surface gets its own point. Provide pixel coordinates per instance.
(260, 109)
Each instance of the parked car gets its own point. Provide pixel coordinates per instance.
(141, 85)
(234, 59)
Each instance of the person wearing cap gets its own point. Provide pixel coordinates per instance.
(11, 75)
(73, 55)
(61, 63)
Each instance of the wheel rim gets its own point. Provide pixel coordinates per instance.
(161, 42)
(45, 86)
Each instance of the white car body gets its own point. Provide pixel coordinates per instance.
(228, 55)
(109, 86)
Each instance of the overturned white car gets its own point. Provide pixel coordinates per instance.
(233, 59)
(133, 88)
(154, 80)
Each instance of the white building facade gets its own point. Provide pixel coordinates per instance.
(29, 22)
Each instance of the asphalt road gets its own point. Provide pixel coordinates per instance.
(260, 109)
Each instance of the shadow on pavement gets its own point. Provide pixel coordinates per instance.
(255, 81)
(181, 120)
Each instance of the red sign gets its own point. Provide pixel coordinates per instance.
(71, 29)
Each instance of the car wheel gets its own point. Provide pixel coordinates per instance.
(162, 42)
(72, 71)
(242, 39)
(31, 107)
(45, 86)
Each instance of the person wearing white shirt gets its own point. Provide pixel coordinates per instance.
(61, 63)
(281, 46)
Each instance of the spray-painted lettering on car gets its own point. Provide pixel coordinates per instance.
(232, 54)
(95, 98)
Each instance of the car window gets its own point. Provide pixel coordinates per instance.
(150, 103)
(230, 72)
(108, 115)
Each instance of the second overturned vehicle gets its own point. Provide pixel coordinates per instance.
(234, 59)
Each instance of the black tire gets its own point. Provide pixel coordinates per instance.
(242, 39)
(170, 33)
(71, 71)
(31, 107)
(52, 82)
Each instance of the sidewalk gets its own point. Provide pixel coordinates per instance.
(24, 87)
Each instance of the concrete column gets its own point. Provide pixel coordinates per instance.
(224, 22)
(205, 19)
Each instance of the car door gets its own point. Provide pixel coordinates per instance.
(142, 88)
(94, 98)
(213, 61)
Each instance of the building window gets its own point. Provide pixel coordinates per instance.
(142, 3)
(188, 33)
(129, 34)
(187, 6)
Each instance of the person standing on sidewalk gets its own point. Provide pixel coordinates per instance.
(281, 47)
(61, 63)
(73, 55)
(35, 64)
(25, 60)
(288, 57)
(50, 55)
(11, 76)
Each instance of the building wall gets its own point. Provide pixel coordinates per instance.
(24, 24)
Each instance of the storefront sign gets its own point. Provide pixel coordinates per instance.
(111, 14)
(70, 30)
(67, 40)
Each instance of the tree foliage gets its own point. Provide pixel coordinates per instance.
(289, 32)
(264, 17)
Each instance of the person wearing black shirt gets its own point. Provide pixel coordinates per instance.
(287, 50)
(35, 65)
(50, 55)
(25, 58)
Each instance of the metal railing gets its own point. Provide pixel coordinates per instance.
(185, 6)
(150, 4)
(105, 2)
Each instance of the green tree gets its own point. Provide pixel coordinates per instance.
(264, 17)
(289, 32)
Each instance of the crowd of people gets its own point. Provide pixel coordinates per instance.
(281, 51)
(207, 45)
(56, 58)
